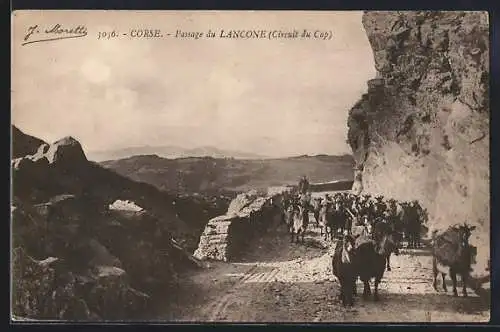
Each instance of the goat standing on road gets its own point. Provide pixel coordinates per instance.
(300, 222)
(344, 269)
(451, 253)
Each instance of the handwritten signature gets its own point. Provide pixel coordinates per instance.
(35, 34)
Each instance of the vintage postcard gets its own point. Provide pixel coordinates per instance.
(250, 166)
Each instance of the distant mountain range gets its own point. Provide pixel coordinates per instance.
(170, 152)
(211, 176)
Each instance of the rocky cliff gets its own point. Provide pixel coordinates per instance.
(422, 129)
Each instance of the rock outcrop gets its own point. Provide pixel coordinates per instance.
(226, 237)
(48, 289)
(422, 129)
(23, 144)
(61, 272)
(62, 168)
(88, 244)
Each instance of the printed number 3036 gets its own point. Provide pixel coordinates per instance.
(107, 35)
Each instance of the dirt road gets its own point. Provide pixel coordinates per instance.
(279, 281)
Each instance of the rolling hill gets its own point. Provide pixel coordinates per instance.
(210, 176)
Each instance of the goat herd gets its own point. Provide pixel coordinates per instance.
(369, 229)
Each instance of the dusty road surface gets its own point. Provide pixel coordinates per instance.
(279, 281)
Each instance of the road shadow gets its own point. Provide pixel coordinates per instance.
(281, 301)
(256, 294)
(307, 297)
(475, 283)
(276, 246)
(192, 294)
(433, 302)
(308, 250)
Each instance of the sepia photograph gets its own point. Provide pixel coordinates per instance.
(250, 166)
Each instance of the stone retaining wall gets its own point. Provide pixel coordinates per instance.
(226, 237)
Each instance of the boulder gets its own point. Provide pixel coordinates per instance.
(143, 244)
(125, 205)
(101, 255)
(46, 289)
(66, 152)
(86, 242)
(33, 285)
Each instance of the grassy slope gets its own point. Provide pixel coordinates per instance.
(207, 175)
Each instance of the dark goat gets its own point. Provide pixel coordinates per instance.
(344, 269)
(371, 256)
(451, 253)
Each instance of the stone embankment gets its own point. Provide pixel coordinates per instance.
(226, 237)
(249, 215)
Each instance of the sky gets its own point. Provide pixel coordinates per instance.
(270, 97)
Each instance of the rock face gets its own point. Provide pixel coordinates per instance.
(227, 236)
(61, 272)
(62, 168)
(23, 144)
(67, 150)
(422, 129)
(88, 244)
(48, 289)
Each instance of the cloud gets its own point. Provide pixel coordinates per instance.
(95, 71)
(273, 97)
